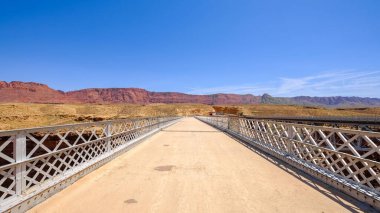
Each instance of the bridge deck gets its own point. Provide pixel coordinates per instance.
(192, 167)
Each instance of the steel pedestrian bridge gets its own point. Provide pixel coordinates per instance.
(208, 164)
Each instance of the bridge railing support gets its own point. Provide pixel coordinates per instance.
(345, 159)
(35, 163)
(108, 136)
(19, 147)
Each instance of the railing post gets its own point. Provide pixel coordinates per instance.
(108, 135)
(290, 138)
(19, 149)
(228, 123)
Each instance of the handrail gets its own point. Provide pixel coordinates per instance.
(351, 155)
(34, 157)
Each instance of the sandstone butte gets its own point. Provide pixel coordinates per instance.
(30, 92)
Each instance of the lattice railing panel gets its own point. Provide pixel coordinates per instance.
(7, 150)
(120, 127)
(7, 183)
(43, 142)
(32, 157)
(45, 168)
(352, 154)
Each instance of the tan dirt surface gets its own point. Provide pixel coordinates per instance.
(192, 167)
(29, 115)
(292, 110)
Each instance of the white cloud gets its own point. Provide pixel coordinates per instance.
(338, 83)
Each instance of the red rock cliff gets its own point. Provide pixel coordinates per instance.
(30, 92)
(17, 91)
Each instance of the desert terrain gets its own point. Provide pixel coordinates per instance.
(295, 110)
(27, 115)
(20, 115)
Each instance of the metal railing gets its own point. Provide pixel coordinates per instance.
(347, 159)
(34, 160)
(364, 123)
(341, 119)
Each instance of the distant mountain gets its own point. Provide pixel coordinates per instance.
(30, 92)
(334, 101)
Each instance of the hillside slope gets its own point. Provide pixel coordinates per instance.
(24, 115)
(334, 101)
(30, 92)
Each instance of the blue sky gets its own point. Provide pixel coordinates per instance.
(285, 48)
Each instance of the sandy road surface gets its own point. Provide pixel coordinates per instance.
(192, 167)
